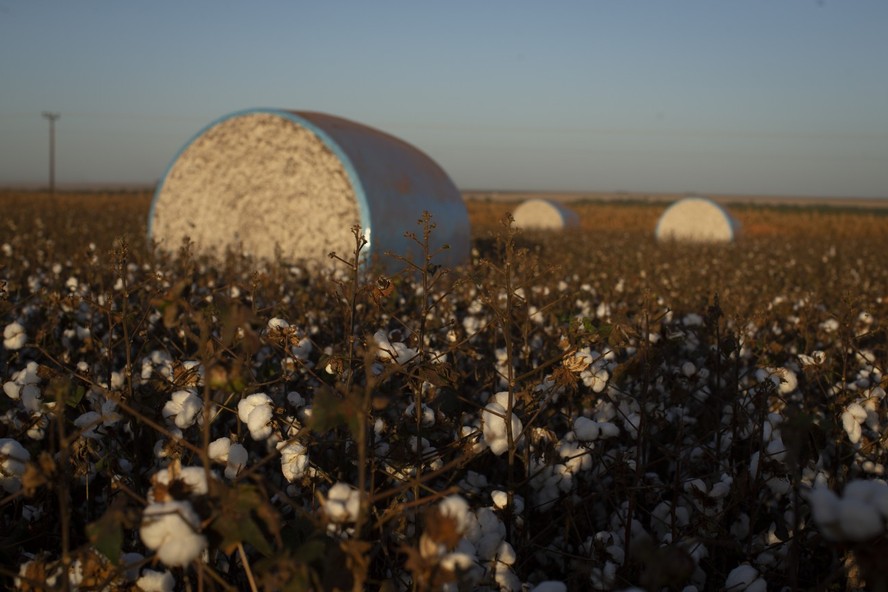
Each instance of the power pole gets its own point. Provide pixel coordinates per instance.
(52, 119)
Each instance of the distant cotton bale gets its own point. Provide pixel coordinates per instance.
(271, 182)
(696, 219)
(543, 214)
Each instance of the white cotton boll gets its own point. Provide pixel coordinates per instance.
(852, 427)
(218, 449)
(342, 503)
(745, 577)
(688, 369)
(13, 458)
(30, 396)
(237, 460)
(455, 506)
(857, 412)
(276, 323)
(776, 449)
(170, 529)
(859, 521)
(256, 411)
(586, 429)
(183, 407)
(550, 586)
(14, 336)
(824, 505)
(722, 488)
(156, 581)
(493, 426)
(195, 478)
(505, 553)
(12, 389)
(88, 422)
(294, 460)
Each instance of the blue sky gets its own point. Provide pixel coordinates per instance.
(712, 96)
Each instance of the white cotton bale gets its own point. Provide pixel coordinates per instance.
(268, 182)
(696, 219)
(544, 214)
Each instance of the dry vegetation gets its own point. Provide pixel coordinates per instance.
(578, 410)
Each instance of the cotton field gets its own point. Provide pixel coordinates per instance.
(586, 410)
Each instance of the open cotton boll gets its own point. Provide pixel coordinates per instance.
(501, 499)
(294, 460)
(14, 336)
(13, 458)
(859, 521)
(218, 449)
(170, 529)
(392, 351)
(494, 429)
(183, 407)
(256, 411)
(194, 478)
(550, 586)
(237, 460)
(343, 503)
(156, 581)
(455, 506)
(586, 429)
(745, 577)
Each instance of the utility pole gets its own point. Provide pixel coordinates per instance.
(52, 119)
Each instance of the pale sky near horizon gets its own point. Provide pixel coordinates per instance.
(711, 96)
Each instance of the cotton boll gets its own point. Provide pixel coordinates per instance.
(342, 503)
(852, 427)
(550, 586)
(859, 521)
(745, 577)
(14, 336)
(237, 460)
(455, 506)
(13, 458)
(218, 449)
(294, 460)
(493, 426)
(194, 478)
(586, 429)
(170, 529)
(256, 411)
(824, 505)
(505, 553)
(183, 407)
(156, 581)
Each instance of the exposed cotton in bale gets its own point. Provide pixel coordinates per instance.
(268, 181)
(543, 214)
(696, 219)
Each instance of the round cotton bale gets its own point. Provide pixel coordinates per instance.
(271, 182)
(696, 219)
(544, 214)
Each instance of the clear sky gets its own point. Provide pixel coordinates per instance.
(710, 96)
